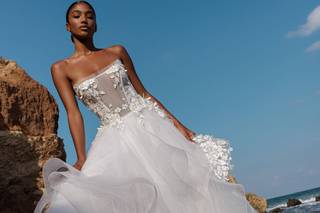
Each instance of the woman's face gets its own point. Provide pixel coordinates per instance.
(82, 23)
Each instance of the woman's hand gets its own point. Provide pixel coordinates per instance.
(186, 132)
(78, 165)
(190, 134)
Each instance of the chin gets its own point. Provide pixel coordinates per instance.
(84, 35)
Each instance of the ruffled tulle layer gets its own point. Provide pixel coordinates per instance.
(149, 167)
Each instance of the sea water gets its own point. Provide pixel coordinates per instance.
(307, 197)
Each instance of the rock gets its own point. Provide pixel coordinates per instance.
(293, 202)
(28, 137)
(317, 198)
(257, 202)
(25, 105)
(232, 179)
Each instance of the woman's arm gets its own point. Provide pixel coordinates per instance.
(143, 92)
(183, 129)
(75, 120)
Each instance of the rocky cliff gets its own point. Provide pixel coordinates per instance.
(28, 137)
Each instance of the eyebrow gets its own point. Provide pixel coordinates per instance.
(79, 11)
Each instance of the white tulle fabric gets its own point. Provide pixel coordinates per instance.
(139, 162)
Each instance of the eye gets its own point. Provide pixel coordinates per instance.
(90, 15)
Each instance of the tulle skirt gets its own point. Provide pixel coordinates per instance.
(145, 168)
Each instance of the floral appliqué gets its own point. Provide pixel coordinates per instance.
(91, 95)
(218, 153)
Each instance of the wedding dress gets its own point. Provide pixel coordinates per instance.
(139, 162)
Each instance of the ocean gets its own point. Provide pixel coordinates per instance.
(307, 198)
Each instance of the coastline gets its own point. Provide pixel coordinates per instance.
(303, 201)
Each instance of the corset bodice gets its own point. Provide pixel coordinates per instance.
(110, 94)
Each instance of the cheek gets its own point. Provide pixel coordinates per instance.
(91, 22)
(73, 22)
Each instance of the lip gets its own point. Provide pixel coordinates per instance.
(84, 27)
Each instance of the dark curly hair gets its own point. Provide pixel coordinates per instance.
(75, 3)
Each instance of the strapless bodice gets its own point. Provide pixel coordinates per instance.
(110, 94)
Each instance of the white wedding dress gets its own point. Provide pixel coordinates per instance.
(139, 162)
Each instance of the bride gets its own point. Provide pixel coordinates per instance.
(142, 158)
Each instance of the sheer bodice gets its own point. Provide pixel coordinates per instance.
(110, 94)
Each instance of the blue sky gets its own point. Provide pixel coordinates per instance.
(246, 71)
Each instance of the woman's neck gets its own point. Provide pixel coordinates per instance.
(83, 47)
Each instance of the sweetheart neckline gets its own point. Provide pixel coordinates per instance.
(96, 73)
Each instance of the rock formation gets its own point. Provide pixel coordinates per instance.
(293, 202)
(28, 137)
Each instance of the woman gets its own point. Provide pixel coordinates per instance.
(142, 158)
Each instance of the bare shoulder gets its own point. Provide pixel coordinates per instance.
(58, 70)
(118, 49)
(58, 67)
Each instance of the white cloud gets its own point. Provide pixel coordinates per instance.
(312, 24)
(314, 47)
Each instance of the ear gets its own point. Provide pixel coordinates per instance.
(68, 27)
(96, 27)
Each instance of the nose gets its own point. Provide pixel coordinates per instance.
(84, 19)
